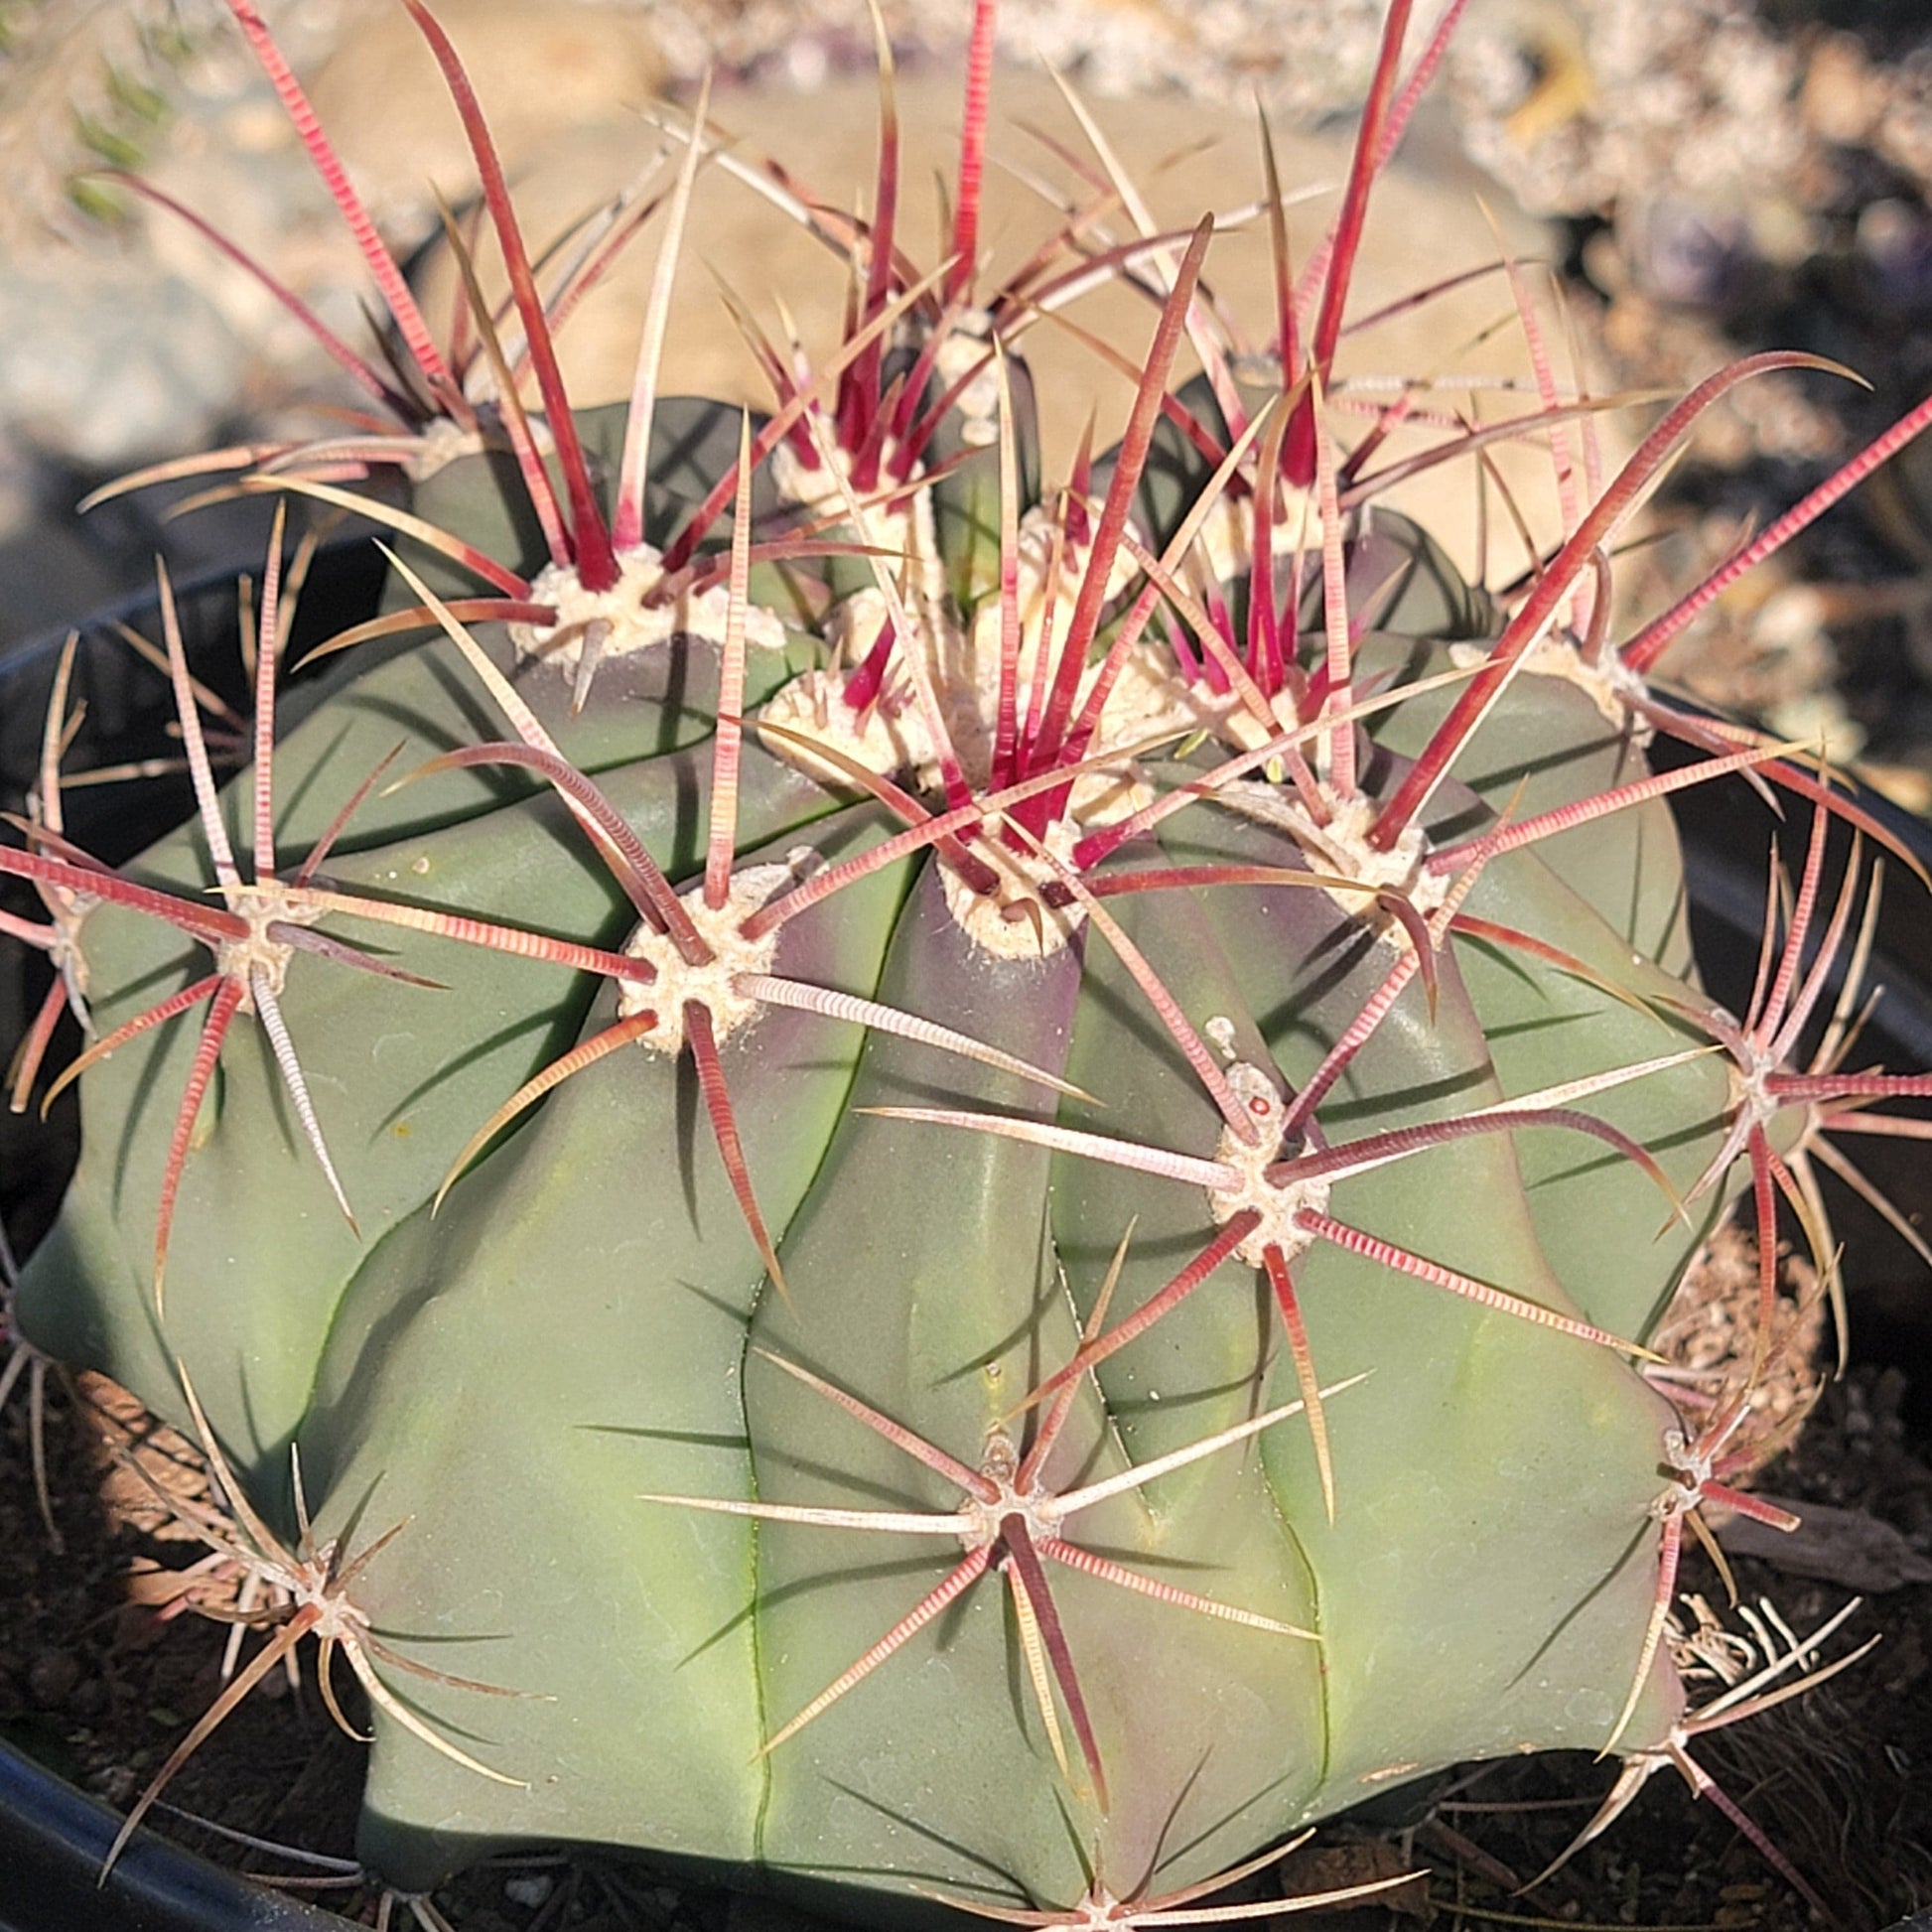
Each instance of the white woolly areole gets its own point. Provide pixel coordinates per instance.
(64, 953)
(1016, 922)
(988, 1521)
(893, 734)
(1276, 1202)
(1752, 1102)
(962, 661)
(906, 526)
(1227, 536)
(1151, 700)
(1609, 684)
(441, 443)
(1149, 697)
(1691, 1468)
(617, 622)
(888, 735)
(960, 349)
(1341, 847)
(714, 985)
(1033, 561)
(1100, 1910)
(257, 950)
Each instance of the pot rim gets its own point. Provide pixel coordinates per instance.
(54, 1839)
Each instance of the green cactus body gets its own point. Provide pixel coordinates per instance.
(419, 1096)
(583, 1318)
(600, 1427)
(938, 1302)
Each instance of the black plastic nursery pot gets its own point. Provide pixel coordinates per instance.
(52, 1844)
(52, 1839)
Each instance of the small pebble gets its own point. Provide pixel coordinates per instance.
(52, 1678)
(529, 1888)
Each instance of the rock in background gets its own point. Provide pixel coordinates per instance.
(1735, 175)
(135, 342)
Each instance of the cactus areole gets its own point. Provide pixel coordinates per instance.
(910, 1179)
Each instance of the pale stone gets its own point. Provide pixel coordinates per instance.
(539, 70)
(107, 365)
(1842, 98)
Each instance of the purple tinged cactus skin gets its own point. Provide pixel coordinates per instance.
(764, 1356)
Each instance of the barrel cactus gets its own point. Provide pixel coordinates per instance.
(907, 1179)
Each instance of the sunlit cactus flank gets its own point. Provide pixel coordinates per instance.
(923, 1180)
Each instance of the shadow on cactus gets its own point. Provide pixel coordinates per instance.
(916, 1023)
